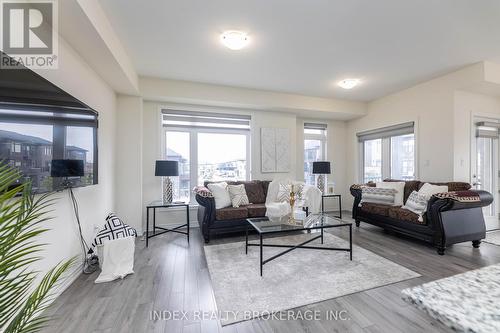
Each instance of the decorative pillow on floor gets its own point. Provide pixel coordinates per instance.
(221, 194)
(114, 228)
(417, 203)
(284, 192)
(398, 186)
(378, 195)
(238, 195)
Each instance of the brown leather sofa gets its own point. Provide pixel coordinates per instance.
(231, 219)
(446, 221)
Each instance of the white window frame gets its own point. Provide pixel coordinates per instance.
(193, 148)
(323, 138)
(386, 156)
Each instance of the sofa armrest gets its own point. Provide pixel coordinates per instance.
(460, 200)
(457, 218)
(206, 209)
(355, 190)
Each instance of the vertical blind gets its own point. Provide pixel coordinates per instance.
(193, 119)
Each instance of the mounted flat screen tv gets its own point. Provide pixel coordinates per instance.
(40, 123)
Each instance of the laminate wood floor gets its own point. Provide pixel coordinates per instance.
(172, 275)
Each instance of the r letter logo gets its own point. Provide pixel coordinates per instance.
(29, 34)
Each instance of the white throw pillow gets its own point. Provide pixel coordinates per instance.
(428, 190)
(238, 195)
(417, 203)
(378, 195)
(221, 194)
(399, 187)
(284, 192)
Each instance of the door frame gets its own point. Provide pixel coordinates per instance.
(476, 117)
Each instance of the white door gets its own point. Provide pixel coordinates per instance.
(485, 173)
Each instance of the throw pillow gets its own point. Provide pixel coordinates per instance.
(238, 195)
(429, 190)
(377, 195)
(284, 190)
(417, 203)
(399, 187)
(221, 194)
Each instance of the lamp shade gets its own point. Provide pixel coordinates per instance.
(322, 168)
(167, 168)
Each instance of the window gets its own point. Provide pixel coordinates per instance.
(31, 138)
(208, 147)
(373, 160)
(314, 148)
(388, 153)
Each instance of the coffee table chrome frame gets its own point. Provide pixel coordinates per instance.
(291, 247)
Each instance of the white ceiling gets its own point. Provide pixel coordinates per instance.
(304, 46)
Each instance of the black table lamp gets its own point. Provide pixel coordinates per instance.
(167, 169)
(321, 169)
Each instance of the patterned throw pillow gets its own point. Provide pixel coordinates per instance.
(113, 229)
(284, 192)
(378, 195)
(417, 203)
(238, 195)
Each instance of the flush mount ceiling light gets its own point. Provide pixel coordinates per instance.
(349, 83)
(234, 40)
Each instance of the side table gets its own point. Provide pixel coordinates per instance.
(159, 204)
(323, 196)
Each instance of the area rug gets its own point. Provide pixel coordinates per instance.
(298, 278)
(467, 302)
(493, 237)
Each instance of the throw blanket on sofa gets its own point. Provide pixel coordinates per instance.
(460, 196)
(274, 208)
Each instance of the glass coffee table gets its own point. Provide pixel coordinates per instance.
(273, 226)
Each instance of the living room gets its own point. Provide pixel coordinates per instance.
(301, 111)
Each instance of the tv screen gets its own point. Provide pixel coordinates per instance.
(67, 168)
(40, 123)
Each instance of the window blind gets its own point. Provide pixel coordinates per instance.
(192, 119)
(315, 126)
(487, 129)
(47, 114)
(384, 132)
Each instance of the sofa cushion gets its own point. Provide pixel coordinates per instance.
(405, 215)
(377, 209)
(256, 210)
(231, 213)
(255, 192)
(410, 186)
(452, 186)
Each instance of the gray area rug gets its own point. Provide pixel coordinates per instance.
(296, 279)
(467, 302)
(493, 237)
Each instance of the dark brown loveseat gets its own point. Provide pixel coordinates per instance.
(446, 221)
(230, 219)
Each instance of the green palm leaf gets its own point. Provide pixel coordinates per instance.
(21, 217)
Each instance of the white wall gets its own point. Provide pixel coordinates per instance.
(78, 79)
(128, 174)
